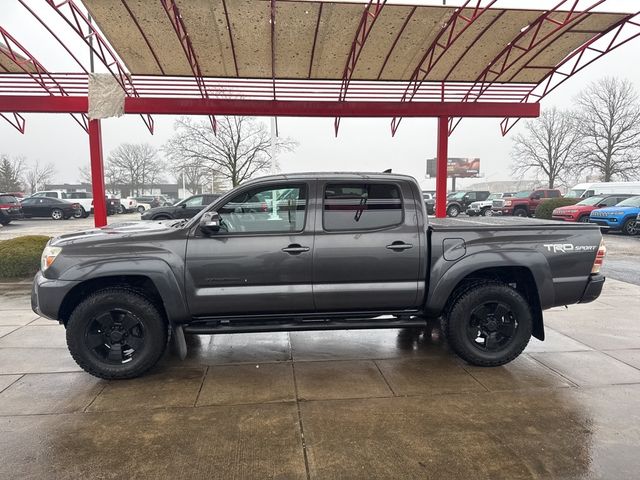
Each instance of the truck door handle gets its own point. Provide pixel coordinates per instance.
(399, 246)
(295, 248)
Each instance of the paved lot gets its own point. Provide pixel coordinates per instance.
(53, 228)
(358, 404)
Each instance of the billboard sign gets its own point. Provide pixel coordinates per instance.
(456, 167)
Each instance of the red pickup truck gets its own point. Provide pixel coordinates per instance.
(523, 204)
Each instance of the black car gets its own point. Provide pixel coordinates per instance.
(186, 208)
(9, 208)
(49, 207)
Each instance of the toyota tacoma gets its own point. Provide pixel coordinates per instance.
(312, 252)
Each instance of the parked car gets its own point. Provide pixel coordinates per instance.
(84, 199)
(586, 190)
(49, 207)
(113, 205)
(484, 206)
(146, 203)
(621, 217)
(10, 209)
(186, 208)
(460, 201)
(580, 211)
(128, 205)
(297, 251)
(523, 204)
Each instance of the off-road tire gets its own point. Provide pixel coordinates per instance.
(155, 341)
(520, 212)
(140, 209)
(453, 211)
(455, 320)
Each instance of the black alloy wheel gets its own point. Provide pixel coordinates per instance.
(117, 333)
(492, 326)
(584, 219)
(115, 336)
(488, 323)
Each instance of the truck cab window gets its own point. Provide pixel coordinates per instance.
(365, 206)
(278, 209)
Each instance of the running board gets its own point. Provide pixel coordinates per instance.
(211, 327)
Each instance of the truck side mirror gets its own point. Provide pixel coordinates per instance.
(210, 223)
(535, 197)
(184, 205)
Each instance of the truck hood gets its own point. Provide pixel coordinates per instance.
(129, 230)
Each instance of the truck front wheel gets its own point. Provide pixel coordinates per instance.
(489, 324)
(116, 333)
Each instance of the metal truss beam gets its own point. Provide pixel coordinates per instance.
(607, 41)
(80, 23)
(367, 21)
(440, 45)
(270, 108)
(175, 18)
(24, 60)
(15, 120)
(528, 40)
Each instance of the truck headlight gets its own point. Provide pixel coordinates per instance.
(507, 203)
(49, 254)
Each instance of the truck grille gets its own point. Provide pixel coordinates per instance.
(498, 203)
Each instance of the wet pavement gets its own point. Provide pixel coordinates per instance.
(378, 404)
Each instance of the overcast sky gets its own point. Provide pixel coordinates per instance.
(362, 144)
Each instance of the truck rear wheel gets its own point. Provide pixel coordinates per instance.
(488, 325)
(453, 211)
(116, 333)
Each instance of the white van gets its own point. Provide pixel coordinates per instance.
(586, 190)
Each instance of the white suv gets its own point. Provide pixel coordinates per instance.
(481, 208)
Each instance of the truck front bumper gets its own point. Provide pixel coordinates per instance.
(593, 289)
(47, 295)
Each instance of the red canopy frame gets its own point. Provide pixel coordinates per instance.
(490, 95)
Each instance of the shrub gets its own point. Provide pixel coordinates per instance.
(20, 257)
(546, 208)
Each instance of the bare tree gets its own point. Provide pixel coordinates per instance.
(609, 121)
(547, 146)
(37, 175)
(137, 166)
(11, 171)
(240, 149)
(113, 179)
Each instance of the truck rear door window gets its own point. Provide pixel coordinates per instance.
(361, 206)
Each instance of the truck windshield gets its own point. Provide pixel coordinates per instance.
(494, 196)
(630, 202)
(591, 201)
(523, 194)
(574, 193)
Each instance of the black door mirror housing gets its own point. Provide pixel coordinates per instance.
(535, 197)
(184, 205)
(210, 223)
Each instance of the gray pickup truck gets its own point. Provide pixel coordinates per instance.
(312, 252)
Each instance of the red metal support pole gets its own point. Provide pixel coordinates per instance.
(441, 167)
(97, 174)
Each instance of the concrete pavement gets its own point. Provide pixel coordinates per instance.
(356, 404)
